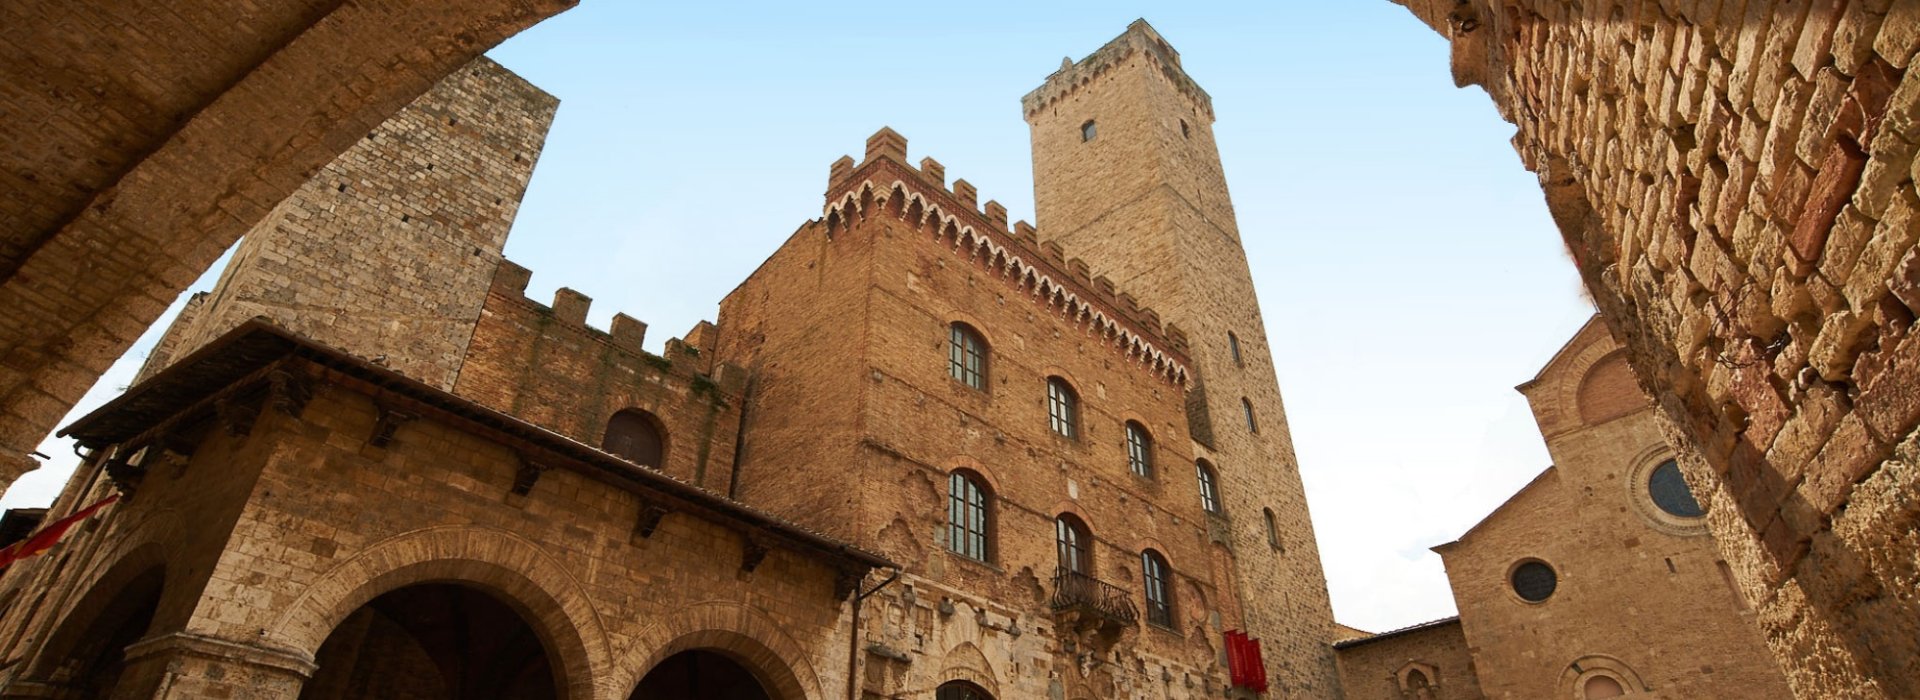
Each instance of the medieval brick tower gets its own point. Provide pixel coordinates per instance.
(1127, 175)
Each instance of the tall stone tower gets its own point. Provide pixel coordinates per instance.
(1127, 176)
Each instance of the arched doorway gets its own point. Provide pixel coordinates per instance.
(96, 657)
(700, 674)
(434, 641)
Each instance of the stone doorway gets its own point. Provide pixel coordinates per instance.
(434, 641)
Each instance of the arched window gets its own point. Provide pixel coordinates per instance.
(1273, 529)
(1063, 408)
(967, 518)
(1233, 343)
(967, 356)
(1209, 486)
(960, 690)
(635, 435)
(1139, 449)
(1247, 407)
(1158, 576)
(1087, 131)
(1075, 545)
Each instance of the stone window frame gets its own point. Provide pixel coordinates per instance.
(1246, 407)
(1089, 131)
(1073, 538)
(1273, 530)
(1209, 481)
(1233, 345)
(1639, 493)
(1403, 678)
(970, 517)
(1506, 581)
(966, 342)
(1063, 408)
(1156, 584)
(1139, 449)
(634, 415)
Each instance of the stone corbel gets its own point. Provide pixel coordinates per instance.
(752, 553)
(236, 414)
(650, 515)
(389, 421)
(527, 476)
(288, 392)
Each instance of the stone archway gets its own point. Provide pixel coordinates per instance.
(84, 656)
(507, 567)
(434, 641)
(738, 631)
(702, 674)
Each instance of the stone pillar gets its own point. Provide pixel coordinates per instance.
(184, 665)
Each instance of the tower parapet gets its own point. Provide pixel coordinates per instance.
(1139, 37)
(1065, 285)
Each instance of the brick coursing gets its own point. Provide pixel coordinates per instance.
(1736, 183)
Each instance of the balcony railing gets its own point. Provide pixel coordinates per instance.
(1105, 603)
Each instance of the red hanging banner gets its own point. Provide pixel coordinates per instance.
(1245, 667)
(50, 535)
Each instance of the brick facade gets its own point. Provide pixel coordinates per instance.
(406, 435)
(1735, 181)
(1424, 662)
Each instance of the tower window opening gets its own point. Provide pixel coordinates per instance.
(967, 356)
(1209, 487)
(1088, 131)
(1273, 529)
(1233, 343)
(1139, 450)
(967, 517)
(1246, 407)
(1183, 130)
(1063, 408)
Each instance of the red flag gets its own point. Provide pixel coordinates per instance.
(48, 536)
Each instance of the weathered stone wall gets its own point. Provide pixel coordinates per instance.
(1381, 667)
(545, 365)
(1642, 594)
(147, 136)
(269, 539)
(1146, 202)
(388, 251)
(1735, 180)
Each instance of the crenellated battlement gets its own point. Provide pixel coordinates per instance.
(626, 333)
(1141, 38)
(884, 182)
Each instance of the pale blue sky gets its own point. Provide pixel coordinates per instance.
(1404, 259)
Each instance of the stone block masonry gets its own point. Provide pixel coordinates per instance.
(1736, 183)
(146, 136)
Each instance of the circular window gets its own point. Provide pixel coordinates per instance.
(1534, 581)
(1669, 491)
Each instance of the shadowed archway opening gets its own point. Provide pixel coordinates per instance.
(434, 641)
(700, 674)
(97, 658)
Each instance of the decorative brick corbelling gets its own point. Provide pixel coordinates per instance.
(1041, 282)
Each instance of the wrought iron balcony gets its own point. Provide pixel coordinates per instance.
(1091, 600)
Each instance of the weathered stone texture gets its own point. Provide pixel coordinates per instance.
(389, 250)
(147, 136)
(1384, 666)
(1642, 594)
(1146, 203)
(1736, 183)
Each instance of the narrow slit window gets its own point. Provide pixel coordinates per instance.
(1246, 406)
